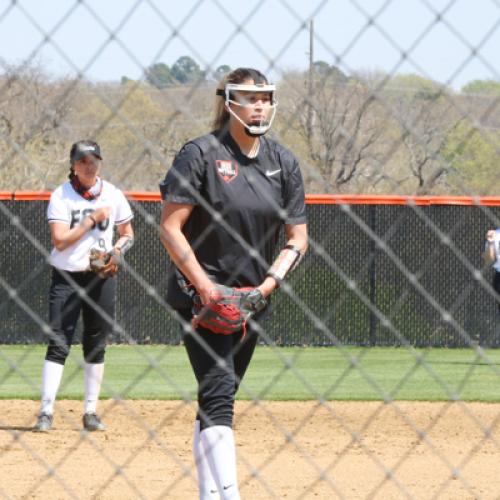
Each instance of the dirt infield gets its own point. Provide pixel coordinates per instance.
(285, 450)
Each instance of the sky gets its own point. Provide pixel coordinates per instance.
(450, 41)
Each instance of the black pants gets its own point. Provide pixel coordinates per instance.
(65, 305)
(218, 383)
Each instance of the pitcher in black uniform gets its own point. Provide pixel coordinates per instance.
(226, 198)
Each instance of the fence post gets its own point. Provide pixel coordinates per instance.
(371, 275)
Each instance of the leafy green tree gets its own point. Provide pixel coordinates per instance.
(482, 87)
(323, 69)
(416, 85)
(159, 75)
(186, 70)
(474, 155)
(221, 72)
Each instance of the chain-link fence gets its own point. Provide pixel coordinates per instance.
(364, 272)
(375, 98)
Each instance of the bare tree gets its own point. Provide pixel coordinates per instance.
(340, 126)
(32, 114)
(425, 121)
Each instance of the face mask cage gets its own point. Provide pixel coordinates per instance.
(252, 129)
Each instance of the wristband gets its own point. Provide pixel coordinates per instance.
(287, 261)
(126, 245)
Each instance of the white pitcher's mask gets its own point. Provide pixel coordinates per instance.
(244, 95)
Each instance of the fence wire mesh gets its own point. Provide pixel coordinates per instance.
(354, 391)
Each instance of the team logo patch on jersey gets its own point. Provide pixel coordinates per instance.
(227, 169)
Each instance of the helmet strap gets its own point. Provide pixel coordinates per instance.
(252, 130)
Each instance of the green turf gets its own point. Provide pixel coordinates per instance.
(163, 372)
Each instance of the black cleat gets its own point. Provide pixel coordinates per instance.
(43, 423)
(91, 422)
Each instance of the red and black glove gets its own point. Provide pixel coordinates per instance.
(229, 309)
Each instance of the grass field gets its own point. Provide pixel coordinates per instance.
(163, 372)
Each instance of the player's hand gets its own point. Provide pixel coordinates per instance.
(102, 263)
(228, 310)
(101, 214)
(490, 235)
(207, 293)
(111, 267)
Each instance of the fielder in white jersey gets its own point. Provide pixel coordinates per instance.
(70, 209)
(492, 257)
(82, 215)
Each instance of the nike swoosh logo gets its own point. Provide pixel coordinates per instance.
(269, 173)
(227, 487)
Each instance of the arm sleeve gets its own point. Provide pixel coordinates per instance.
(123, 210)
(293, 190)
(57, 211)
(184, 181)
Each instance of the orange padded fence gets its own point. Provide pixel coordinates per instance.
(315, 199)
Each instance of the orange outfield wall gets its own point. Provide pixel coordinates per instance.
(311, 199)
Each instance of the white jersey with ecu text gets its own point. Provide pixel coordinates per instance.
(68, 207)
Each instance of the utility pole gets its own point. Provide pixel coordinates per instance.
(310, 82)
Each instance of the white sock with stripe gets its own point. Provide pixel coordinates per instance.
(51, 379)
(220, 450)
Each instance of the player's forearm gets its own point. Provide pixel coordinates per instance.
(297, 236)
(489, 254)
(300, 244)
(289, 257)
(126, 239)
(268, 286)
(183, 257)
(297, 245)
(63, 237)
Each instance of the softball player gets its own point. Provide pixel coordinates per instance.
(492, 257)
(82, 214)
(226, 198)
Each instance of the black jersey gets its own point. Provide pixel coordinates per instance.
(240, 204)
